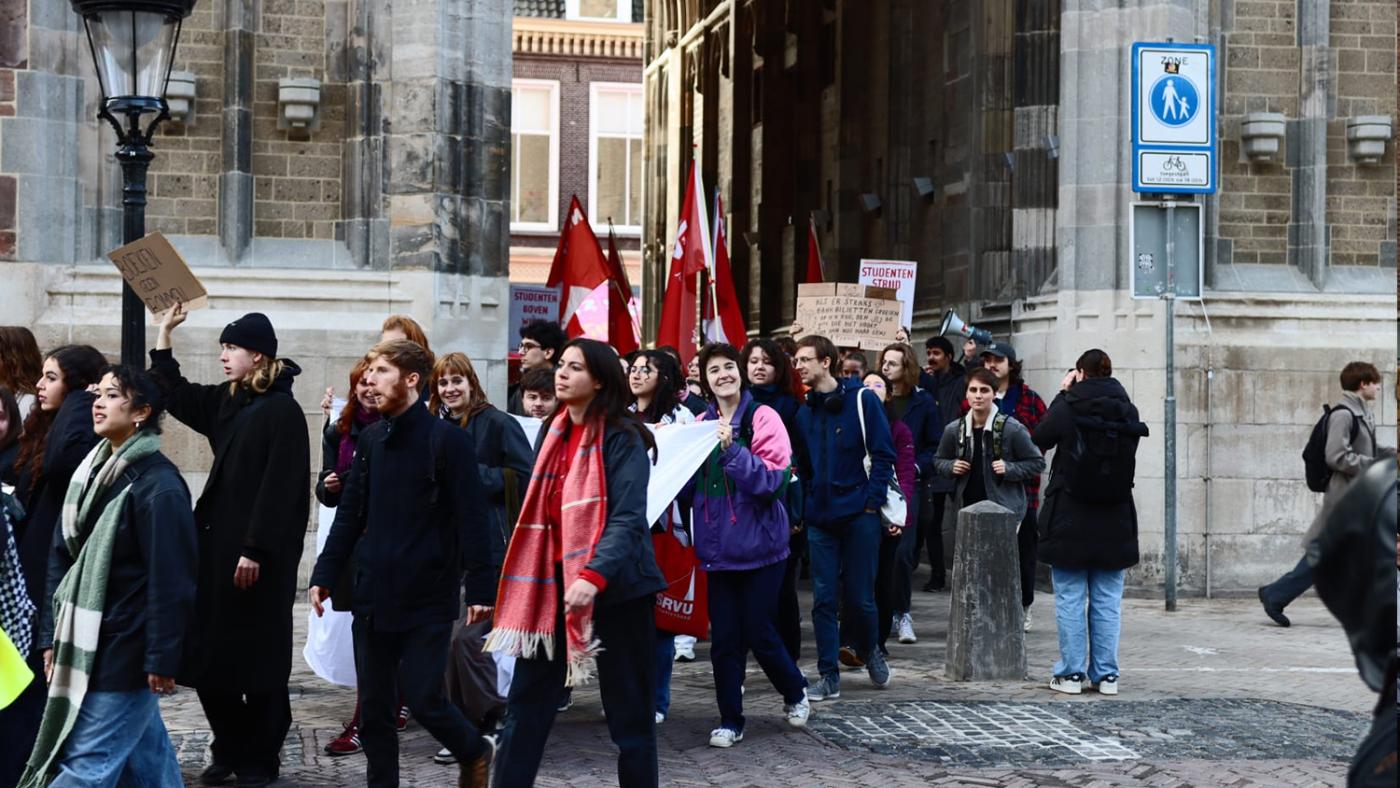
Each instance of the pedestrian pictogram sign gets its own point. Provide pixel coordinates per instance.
(1174, 109)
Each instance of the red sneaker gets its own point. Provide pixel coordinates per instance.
(402, 721)
(348, 742)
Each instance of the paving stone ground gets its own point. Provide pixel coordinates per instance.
(1212, 695)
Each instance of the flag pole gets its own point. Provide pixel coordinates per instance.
(714, 250)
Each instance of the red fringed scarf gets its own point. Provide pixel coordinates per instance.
(527, 600)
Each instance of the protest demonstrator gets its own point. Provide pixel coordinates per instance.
(21, 365)
(741, 538)
(122, 573)
(537, 394)
(579, 583)
(541, 341)
(252, 516)
(410, 514)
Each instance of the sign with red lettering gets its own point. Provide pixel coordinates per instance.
(159, 275)
(897, 275)
(531, 302)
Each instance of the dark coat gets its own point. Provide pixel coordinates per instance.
(69, 440)
(926, 427)
(831, 458)
(151, 582)
(330, 453)
(500, 446)
(948, 390)
(255, 504)
(411, 513)
(623, 557)
(1076, 534)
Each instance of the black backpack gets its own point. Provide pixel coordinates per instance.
(1315, 468)
(1106, 459)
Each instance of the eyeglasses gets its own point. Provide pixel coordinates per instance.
(643, 371)
(800, 360)
(526, 344)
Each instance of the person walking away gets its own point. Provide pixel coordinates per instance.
(843, 508)
(988, 454)
(741, 539)
(122, 574)
(768, 373)
(1350, 448)
(917, 409)
(541, 341)
(887, 589)
(57, 435)
(1015, 398)
(946, 380)
(21, 365)
(657, 393)
(252, 518)
(503, 462)
(580, 580)
(410, 514)
(1089, 522)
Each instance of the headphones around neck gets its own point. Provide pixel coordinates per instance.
(832, 403)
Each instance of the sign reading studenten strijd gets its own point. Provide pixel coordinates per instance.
(1174, 118)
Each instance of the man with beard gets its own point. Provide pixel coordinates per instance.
(410, 514)
(946, 380)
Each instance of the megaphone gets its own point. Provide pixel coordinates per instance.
(952, 324)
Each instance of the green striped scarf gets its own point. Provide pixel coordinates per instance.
(82, 594)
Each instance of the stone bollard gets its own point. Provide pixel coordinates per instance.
(985, 638)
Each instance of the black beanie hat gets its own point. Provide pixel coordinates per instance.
(253, 332)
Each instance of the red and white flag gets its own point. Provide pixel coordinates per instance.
(622, 329)
(729, 328)
(578, 265)
(814, 255)
(690, 256)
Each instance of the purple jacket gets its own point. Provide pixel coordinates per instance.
(740, 520)
(905, 466)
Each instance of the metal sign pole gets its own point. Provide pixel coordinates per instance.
(1169, 415)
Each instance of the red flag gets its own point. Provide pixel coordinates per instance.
(622, 331)
(690, 256)
(814, 255)
(729, 327)
(578, 265)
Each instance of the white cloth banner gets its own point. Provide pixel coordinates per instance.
(680, 451)
(330, 646)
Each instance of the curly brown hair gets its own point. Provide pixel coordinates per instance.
(20, 361)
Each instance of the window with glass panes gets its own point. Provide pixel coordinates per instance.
(615, 178)
(615, 10)
(534, 186)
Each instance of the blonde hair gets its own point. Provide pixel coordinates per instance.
(457, 364)
(261, 377)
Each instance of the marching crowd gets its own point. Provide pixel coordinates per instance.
(472, 560)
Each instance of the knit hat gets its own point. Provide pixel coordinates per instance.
(252, 332)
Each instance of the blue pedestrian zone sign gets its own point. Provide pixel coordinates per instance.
(1174, 118)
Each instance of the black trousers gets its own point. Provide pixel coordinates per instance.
(931, 532)
(19, 723)
(1026, 541)
(626, 679)
(390, 664)
(789, 616)
(887, 587)
(249, 728)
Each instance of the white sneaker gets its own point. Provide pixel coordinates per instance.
(444, 757)
(1108, 685)
(797, 713)
(1026, 620)
(660, 718)
(1073, 684)
(725, 737)
(906, 629)
(685, 648)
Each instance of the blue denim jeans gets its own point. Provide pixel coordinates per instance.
(847, 551)
(118, 740)
(1292, 585)
(665, 659)
(1089, 647)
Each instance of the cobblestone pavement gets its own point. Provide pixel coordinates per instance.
(1212, 694)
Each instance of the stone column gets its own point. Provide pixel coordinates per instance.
(1308, 236)
(986, 641)
(236, 175)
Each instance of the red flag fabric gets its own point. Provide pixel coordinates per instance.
(622, 331)
(814, 255)
(690, 255)
(729, 327)
(579, 266)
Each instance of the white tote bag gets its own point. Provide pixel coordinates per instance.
(895, 512)
(330, 646)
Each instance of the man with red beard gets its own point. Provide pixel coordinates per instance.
(409, 512)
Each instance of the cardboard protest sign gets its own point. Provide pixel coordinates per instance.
(897, 274)
(860, 316)
(159, 275)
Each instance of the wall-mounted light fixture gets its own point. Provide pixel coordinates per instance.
(299, 104)
(1261, 135)
(179, 97)
(870, 202)
(924, 186)
(1366, 138)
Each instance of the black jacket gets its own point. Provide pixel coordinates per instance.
(330, 452)
(412, 514)
(1075, 534)
(151, 582)
(624, 556)
(501, 448)
(69, 440)
(255, 503)
(948, 390)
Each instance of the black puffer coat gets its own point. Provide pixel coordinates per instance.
(254, 504)
(501, 450)
(1075, 534)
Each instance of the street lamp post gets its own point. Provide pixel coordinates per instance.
(133, 46)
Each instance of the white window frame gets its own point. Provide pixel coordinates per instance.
(637, 88)
(552, 225)
(624, 12)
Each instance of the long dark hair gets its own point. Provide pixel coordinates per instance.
(610, 403)
(670, 383)
(20, 362)
(782, 365)
(81, 366)
(12, 421)
(141, 390)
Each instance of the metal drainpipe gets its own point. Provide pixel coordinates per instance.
(1210, 379)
